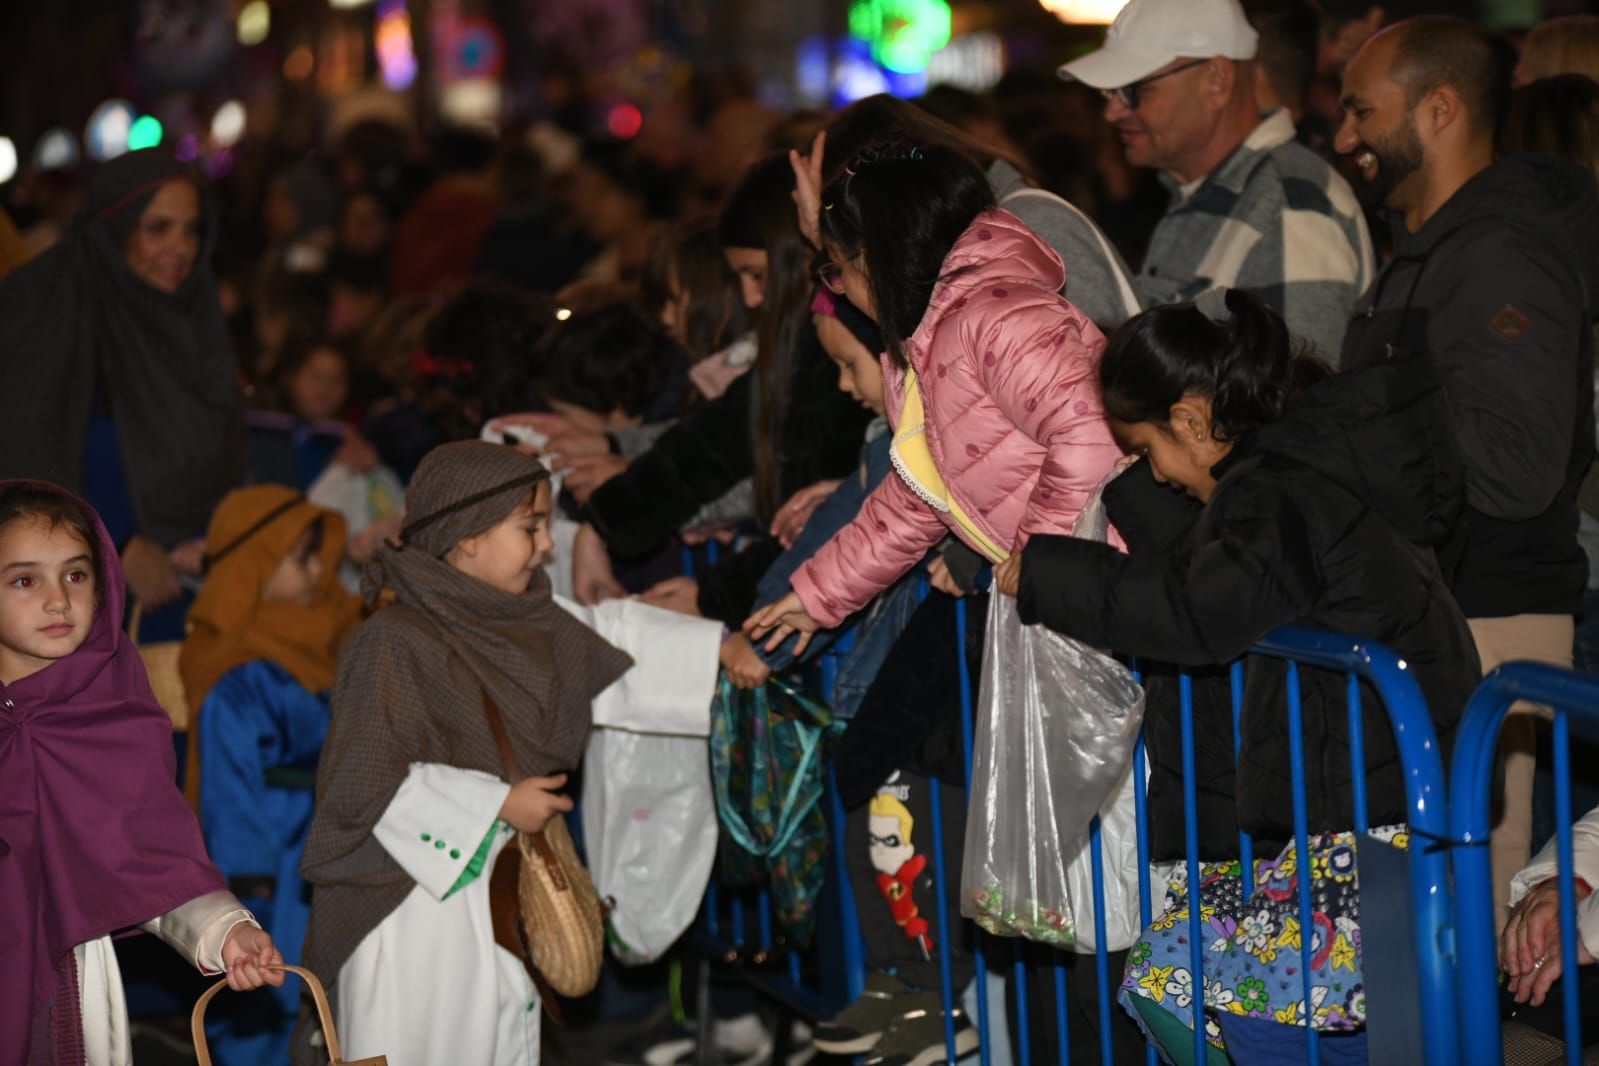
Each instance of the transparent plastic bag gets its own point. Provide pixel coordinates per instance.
(1057, 723)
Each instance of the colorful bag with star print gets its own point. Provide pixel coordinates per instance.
(766, 767)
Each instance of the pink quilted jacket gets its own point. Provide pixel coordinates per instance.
(1009, 376)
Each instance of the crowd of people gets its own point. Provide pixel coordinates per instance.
(368, 435)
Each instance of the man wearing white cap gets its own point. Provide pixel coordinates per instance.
(1250, 208)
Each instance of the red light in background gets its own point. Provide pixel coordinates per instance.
(624, 121)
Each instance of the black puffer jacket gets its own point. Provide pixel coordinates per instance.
(713, 449)
(1323, 518)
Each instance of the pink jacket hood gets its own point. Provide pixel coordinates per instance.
(1009, 375)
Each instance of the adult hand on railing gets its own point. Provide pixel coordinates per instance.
(792, 516)
(808, 189)
(744, 668)
(1530, 945)
(592, 577)
(782, 620)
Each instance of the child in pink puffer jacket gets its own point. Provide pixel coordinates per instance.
(991, 375)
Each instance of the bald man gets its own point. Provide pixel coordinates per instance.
(1493, 272)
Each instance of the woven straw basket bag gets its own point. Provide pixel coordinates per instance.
(202, 1051)
(560, 911)
(555, 924)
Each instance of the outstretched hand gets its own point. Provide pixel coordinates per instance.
(782, 620)
(790, 519)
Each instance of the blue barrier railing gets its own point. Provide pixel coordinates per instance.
(1426, 813)
(1472, 783)
(1433, 1040)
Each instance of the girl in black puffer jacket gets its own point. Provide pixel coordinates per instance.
(1267, 493)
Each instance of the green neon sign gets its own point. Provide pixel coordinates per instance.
(903, 34)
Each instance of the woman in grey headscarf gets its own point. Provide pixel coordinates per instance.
(119, 377)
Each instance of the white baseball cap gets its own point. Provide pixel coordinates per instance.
(1148, 34)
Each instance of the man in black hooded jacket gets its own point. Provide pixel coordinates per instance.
(1493, 262)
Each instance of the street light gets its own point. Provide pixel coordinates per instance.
(1090, 12)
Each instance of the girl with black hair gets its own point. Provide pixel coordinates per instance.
(1097, 280)
(1262, 493)
(991, 374)
(784, 424)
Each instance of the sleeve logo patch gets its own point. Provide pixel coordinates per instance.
(1509, 323)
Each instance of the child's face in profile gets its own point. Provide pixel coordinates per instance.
(47, 595)
(298, 575)
(507, 554)
(859, 372)
(1180, 451)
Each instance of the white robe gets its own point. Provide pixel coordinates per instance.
(429, 985)
(196, 930)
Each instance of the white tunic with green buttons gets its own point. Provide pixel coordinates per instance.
(429, 985)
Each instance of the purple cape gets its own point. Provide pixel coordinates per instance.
(94, 834)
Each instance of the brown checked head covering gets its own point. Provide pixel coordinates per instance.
(463, 489)
(412, 680)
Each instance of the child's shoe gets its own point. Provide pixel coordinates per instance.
(917, 1039)
(860, 1026)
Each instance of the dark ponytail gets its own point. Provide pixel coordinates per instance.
(904, 206)
(1229, 348)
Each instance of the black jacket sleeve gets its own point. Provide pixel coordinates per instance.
(1151, 517)
(693, 463)
(1252, 568)
(728, 589)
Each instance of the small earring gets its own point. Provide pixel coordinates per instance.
(1199, 436)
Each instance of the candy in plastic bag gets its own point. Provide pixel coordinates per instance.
(1057, 723)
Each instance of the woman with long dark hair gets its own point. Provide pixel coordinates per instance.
(785, 424)
(991, 374)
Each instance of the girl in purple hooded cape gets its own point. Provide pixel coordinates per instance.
(95, 837)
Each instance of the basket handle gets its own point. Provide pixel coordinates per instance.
(197, 1020)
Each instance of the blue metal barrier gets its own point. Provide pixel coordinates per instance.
(1426, 804)
(1432, 1003)
(1472, 783)
(1433, 1038)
